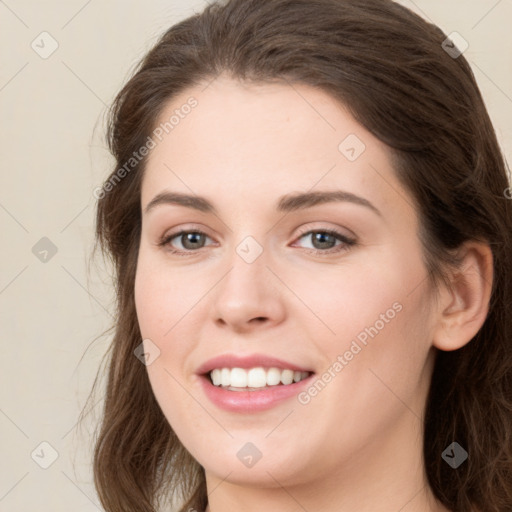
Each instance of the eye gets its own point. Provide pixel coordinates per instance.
(189, 241)
(324, 240)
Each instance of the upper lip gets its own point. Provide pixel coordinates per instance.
(252, 361)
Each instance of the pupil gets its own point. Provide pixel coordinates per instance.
(189, 237)
(320, 237)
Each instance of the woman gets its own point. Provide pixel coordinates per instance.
(311, 234)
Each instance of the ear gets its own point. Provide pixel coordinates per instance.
(463, 308)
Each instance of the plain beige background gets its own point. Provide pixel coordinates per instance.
(53, 156)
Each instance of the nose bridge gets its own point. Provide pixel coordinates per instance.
(248, 267)
(250, 250)
(246, 292)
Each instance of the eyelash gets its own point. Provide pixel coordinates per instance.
(347, 242)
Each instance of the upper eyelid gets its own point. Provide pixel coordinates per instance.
(302, 230)
(338, 230)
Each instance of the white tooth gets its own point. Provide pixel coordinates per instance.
(273, 376)
(287, 376)
(215, 375)
(225, 376)
(238, 378)
(256, 378)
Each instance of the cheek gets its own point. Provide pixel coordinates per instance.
(148, 303)
(159, 310)
(347, 300)
(378, 317)
(162, 296)
(376, 373)
(167, 303)
(391, 372)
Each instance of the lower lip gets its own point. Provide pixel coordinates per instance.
(251, 401)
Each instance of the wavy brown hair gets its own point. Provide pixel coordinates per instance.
(388, 67)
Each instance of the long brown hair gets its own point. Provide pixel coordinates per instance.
(389, 67)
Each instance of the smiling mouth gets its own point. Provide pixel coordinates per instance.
(254, 379)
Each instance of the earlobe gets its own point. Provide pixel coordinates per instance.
(463, 309)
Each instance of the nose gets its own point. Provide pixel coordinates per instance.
(249, 296)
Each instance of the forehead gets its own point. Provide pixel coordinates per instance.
(254, 142)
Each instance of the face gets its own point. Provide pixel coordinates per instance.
(300, 253)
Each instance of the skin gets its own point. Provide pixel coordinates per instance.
(357, 445)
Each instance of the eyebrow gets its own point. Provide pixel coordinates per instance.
(286, 203)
